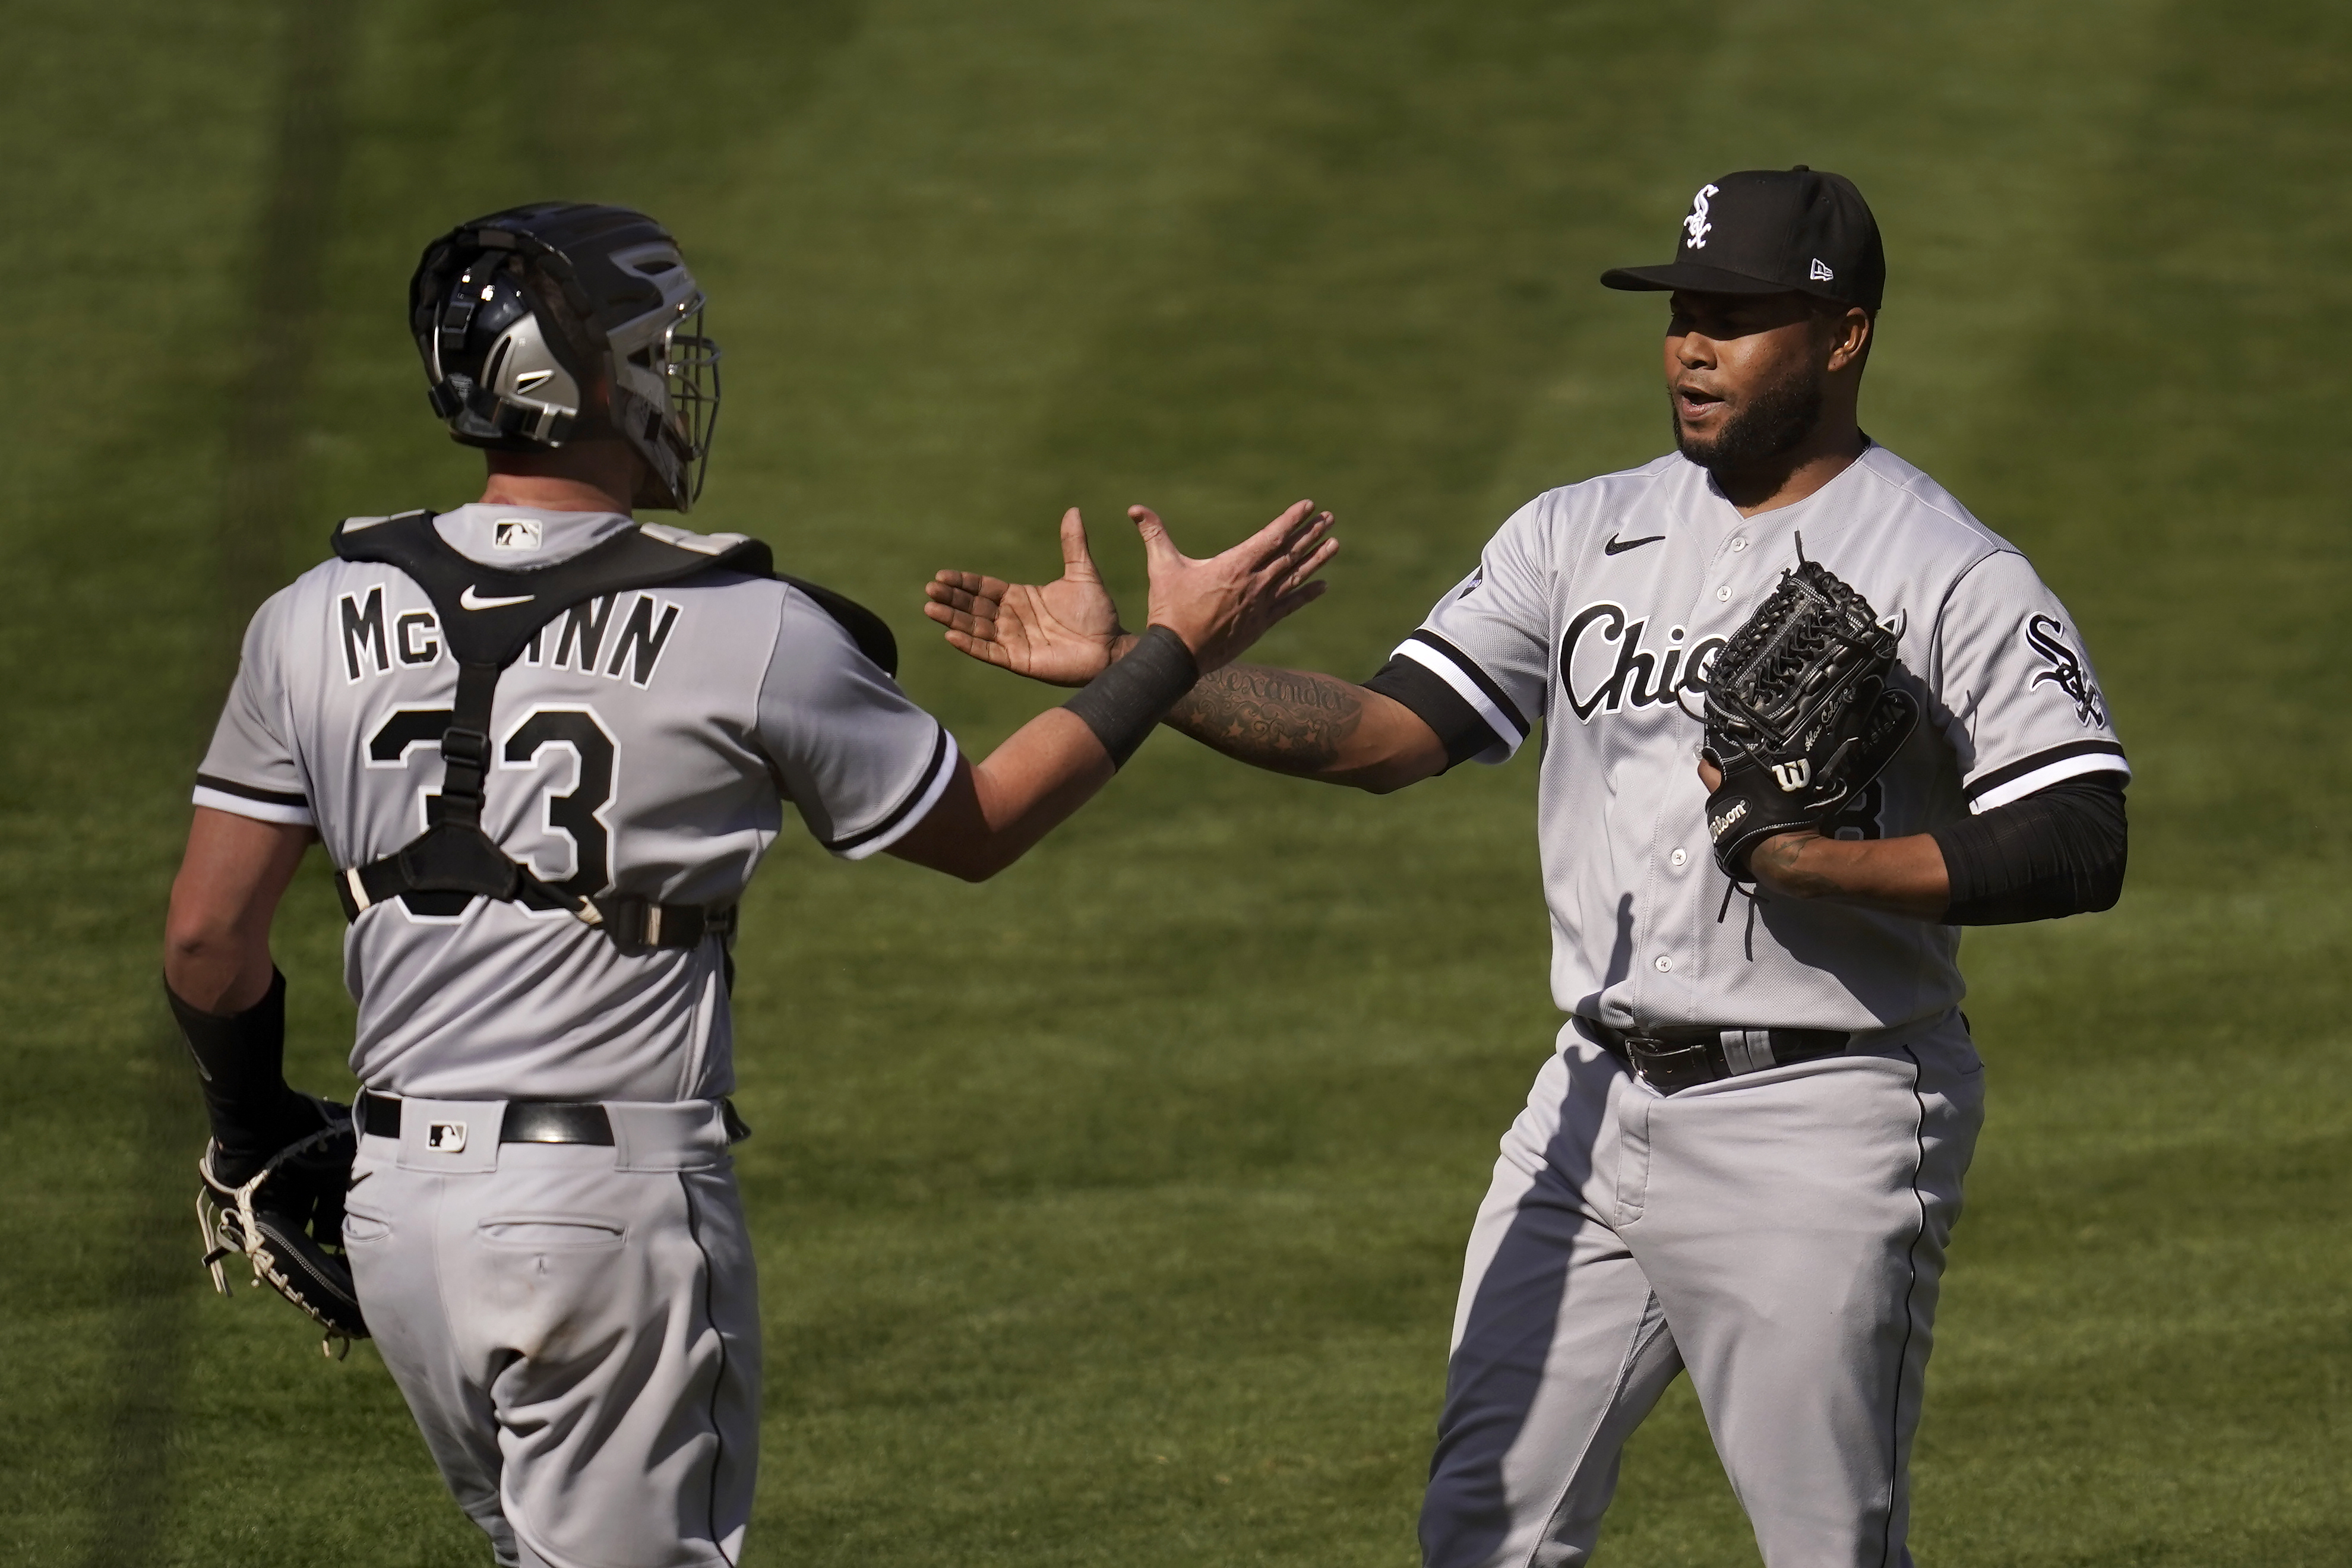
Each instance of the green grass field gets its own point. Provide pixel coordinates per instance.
(1110, 1214)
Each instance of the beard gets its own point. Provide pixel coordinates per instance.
(1779, 418)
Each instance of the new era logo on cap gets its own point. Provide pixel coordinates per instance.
(1768, 231)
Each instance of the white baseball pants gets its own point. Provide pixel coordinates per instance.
(575, 1329)
(1779, 1235)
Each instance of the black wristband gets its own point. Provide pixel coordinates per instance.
(242, 1061)
(1124, 703)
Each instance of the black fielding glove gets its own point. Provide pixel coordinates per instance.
(1799, 712)
(287, 1219)
(1125, 702)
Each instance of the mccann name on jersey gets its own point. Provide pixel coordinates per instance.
(599, 637)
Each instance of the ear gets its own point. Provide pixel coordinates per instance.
(1848, 335)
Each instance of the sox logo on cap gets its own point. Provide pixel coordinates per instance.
(1696, 224)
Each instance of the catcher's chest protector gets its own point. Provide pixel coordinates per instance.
(488, 616)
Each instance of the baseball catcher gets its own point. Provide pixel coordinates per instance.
(544, 746)
(1800, 713)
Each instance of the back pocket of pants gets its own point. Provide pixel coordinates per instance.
(549, 1232)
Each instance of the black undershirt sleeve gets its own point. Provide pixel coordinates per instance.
(1452, 720)
(2059, 851)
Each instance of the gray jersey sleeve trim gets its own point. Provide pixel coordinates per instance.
(1473, 685)
(246, 800)
(902, 818)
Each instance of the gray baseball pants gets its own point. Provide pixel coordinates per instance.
(1781, 1236)
(575, 1329)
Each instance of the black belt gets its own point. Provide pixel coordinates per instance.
(534, 1120)
(526, 1120)
(1682, 1056)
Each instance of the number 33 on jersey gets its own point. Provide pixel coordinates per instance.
(644, 742)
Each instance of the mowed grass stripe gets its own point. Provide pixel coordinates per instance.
(2151, 1347)
(287, 245)
(143, 137)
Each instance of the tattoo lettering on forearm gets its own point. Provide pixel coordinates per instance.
(1292, 721)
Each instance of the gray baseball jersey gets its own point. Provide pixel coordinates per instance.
(644, 744)
(1599, 609)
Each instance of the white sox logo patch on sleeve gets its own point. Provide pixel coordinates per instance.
(1697, 225)
(2066, 671)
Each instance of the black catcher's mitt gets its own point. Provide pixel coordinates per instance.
(1800, 713)
(287, 1219)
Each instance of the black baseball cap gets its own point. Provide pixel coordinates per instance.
(1767, 231)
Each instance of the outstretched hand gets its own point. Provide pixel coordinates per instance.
(1064, 634)
(1067, 632)
(1222, 605)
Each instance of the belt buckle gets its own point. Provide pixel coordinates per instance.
(1666, 1067)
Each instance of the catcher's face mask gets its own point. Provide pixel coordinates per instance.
(519, 315)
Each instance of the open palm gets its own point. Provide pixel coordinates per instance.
(1064, 632)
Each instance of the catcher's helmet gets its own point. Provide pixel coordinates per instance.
(518, 313)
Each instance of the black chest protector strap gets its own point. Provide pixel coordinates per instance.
(488, 617)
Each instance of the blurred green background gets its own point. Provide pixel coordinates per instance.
(1111, 1213)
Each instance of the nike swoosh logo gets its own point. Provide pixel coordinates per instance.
(1617, 546)
(473, 601)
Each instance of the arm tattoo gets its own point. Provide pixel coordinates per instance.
(1289, 721)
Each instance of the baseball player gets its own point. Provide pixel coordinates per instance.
(544, 746)
(1744, 1159)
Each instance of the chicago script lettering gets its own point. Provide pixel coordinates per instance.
(1640, 677)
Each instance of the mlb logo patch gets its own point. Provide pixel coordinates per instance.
(515, 534)
(446, 1137)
